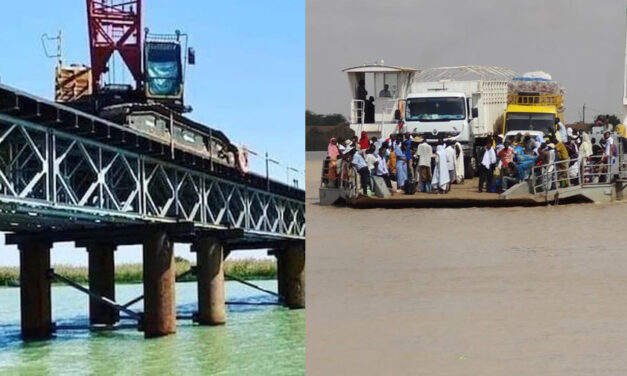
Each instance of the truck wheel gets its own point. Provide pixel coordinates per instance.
(469, 167)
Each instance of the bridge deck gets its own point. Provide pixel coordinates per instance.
(27, 107)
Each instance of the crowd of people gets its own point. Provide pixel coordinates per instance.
(405, 159)
(416, 165)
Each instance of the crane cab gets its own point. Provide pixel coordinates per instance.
(377, 92)
(164, 69)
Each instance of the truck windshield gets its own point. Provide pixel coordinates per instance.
(435, 109)
(520, 121)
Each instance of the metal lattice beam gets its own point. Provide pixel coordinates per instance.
(50, 173)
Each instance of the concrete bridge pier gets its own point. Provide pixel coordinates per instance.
(281, 275)
(210, 276)
(102, 282)
(35, 300)
(159, 285)
(291, 275)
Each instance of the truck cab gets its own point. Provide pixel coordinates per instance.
(439, 115)
(532, 113)
(388, 86)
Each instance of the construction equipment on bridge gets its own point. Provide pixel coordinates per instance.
(154, 105)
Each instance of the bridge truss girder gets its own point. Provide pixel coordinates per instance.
(50, 179)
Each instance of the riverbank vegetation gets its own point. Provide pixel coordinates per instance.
(249, 269)
(320, 128)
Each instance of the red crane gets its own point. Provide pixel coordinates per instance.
(115, 25)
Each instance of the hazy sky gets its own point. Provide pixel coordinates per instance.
(580, 43)
(249, 77)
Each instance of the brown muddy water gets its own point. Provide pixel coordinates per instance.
(473, 291)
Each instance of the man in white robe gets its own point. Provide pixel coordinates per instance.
(440, 172)
(459, 163)
(450, 162)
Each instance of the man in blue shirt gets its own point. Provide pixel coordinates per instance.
(362, 168)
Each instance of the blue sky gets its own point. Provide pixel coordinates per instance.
(249, 77)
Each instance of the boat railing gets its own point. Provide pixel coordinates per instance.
(325, 181)
(572, 173)
(358, 113)
(388, 109)
(349, 180)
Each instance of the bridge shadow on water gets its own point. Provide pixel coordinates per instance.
(10, 332)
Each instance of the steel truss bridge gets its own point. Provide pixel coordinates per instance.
(62, 169)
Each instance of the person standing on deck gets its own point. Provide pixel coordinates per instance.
(362, 168)
(551, 168)
(371, 160)
(607, 125)
(609, 143)
(401, 165)
(425, 154)
(573, 156)
(506, 154)
(585, 150)
(486, 167)
(499, 144)
(450, 162)
(561, 133)
(377, 144)
(441, 179)
(381, 169)
(409, 158)
(459, 163)
(610, 154)
(364, 142)
(369, 111)
(332, 150)
(354, 143)
(391, 162)
(573, 149)
(562, 167)
(385, 93)
(361, 95)
(333, 153)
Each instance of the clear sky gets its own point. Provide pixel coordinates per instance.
(581, 43)
(249, 77)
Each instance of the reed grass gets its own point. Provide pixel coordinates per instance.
(249, 269)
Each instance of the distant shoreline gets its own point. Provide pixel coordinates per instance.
(318, 136)
(248, 269)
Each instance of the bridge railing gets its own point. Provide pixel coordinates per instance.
(276, 169)
(47, 172)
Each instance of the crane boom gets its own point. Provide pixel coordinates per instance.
(115, 25)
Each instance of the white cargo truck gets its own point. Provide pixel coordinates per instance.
(465, 104)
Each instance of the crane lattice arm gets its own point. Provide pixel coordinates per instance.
(115, 25)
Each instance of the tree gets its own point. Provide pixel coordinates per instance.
(312, 119)
(612, 119)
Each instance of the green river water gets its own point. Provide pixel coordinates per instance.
(257, 340)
